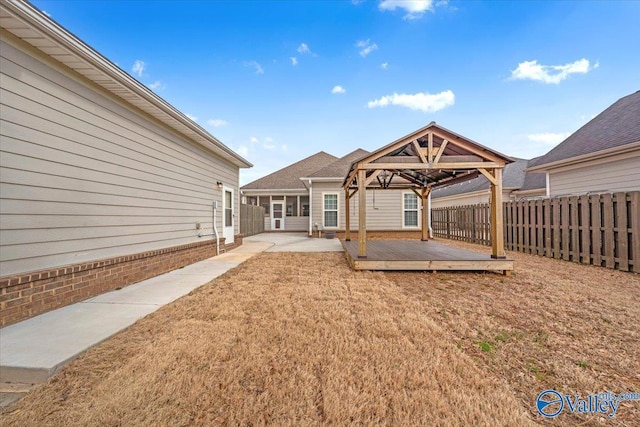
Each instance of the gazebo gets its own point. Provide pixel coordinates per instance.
(427, 158)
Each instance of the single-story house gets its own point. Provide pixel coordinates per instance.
(516, 185)
(104, 183)
(308, 196)
(603, 156)
(284, 197)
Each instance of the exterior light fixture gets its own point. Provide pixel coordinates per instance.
(219, 184)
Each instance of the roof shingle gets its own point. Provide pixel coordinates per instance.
(513, 176)
(340, 167)
(288, 178)
(616, 126)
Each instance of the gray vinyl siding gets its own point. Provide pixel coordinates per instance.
(616, 175)
(84, 176)
(384, 208)
(468, 199)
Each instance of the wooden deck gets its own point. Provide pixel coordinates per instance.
(419, 255)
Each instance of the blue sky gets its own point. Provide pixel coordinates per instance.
(280, 80)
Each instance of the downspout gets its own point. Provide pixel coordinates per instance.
(429, 215)
(215, 229)
(310, 209)
(548, 187)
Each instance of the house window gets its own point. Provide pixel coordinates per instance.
(330, 210)
(292, 205)
(264, 202)
(410, 210)
(304, 205)
(252, 200)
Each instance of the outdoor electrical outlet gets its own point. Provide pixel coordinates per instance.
(198, 226)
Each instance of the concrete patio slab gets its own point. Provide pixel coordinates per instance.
(297, 242)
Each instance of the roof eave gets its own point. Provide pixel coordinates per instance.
(545, 167)
(322, 178)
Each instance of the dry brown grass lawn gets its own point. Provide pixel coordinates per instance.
(300, 339)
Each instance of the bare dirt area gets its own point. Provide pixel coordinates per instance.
(301, 339)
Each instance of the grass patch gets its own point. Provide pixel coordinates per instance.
(583, 364)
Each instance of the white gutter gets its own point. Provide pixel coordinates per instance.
(547, 185)
(310, 208)
(215, 228)
(429, 215)
(323, 179)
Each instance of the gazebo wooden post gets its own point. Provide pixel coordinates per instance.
(497, 228)
(362, 213)
(347, 216)
(425, 226)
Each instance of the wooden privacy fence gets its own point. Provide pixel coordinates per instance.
(599, 229)
(251, 220)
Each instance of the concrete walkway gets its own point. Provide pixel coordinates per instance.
(33, 350)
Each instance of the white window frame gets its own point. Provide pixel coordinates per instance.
(417, 210)
(331, 210)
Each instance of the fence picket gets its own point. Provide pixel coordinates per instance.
(622, 237)
(585, 220)
(607, 217)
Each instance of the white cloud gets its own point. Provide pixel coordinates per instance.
(294, 60)
(254, 140)
(548, 138)
(284, 147)
(531, 70)
(268, 144)
(366, 47)
(138, 67)
(422, 101)
(216, 123)
(414, 8)
(156, 85)
(254, 64)
(243, 151)
(303, 48)
(338, 89)
(384, 65)
(193, 118)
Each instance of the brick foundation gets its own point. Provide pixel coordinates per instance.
(29, 294)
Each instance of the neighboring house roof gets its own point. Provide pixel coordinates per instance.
(32, 26)
(617, 126)
(534, 180)
(288, 178)
(513, 176)
(340, 167)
